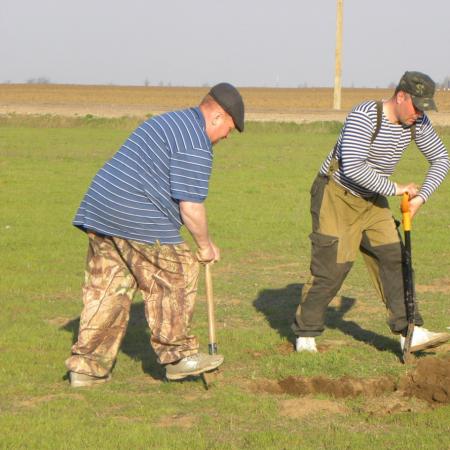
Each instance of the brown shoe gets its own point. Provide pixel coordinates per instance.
(193, 365)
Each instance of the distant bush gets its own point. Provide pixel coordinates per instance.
(40, 80)
(55, 121)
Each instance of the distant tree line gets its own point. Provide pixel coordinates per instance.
(445, 84)
(39, 80)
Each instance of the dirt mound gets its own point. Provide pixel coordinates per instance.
(429, 381)
(339, 388)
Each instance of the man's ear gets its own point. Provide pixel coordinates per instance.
(217, 117)
(400, 97)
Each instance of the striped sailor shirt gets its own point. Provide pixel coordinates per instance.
(365, 168)
(136, 194)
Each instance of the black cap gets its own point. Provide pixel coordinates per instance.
(421, 88)
(228, 97)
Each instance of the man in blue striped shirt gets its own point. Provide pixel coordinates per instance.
(132, 214)
(350, 212)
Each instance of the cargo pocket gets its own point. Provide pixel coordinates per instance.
(323, 255)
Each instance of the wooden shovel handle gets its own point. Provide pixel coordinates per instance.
(210, 301)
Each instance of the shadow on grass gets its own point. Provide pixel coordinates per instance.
(279, 306)
(136, 343)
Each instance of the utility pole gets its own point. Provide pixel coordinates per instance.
(338, 57)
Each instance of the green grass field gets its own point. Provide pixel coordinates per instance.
(259, 216)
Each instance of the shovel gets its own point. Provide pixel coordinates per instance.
(212, 345)
(408, 281)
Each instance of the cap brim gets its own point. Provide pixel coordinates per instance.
(238, 121)
(424, 103)
(236, 111)
(239, 126)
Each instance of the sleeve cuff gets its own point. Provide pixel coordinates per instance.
(189, 198)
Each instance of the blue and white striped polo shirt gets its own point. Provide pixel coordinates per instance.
(365, 168)
(136, 194)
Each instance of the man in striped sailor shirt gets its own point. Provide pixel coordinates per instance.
(350, 211)
(132, 214)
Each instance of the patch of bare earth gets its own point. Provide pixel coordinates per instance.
(394, 403)
(442, 286)
(285, 348)
(329, 344)
(177, 420)
(145, 380)
(299, 408)
(35, 401)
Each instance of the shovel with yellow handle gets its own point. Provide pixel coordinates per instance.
(408, 281)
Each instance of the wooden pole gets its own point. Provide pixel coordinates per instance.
(338, 57)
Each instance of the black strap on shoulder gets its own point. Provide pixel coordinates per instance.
(413, 131)
(378, 126)
(375, 133)
(379, 117)
(379, 105)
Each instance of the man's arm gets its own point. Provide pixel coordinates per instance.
(194, 218)
(432, 147)
(355, 148)
(435, 152)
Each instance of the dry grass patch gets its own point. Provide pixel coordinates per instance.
(296, 408)
(442, 285)
(177, 421)
(36, 401)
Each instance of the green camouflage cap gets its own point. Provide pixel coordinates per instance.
(420, 87)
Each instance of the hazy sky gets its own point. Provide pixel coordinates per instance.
(196, 42)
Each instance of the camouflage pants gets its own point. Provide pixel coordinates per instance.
(167, 277)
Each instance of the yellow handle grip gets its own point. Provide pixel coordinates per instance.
(405, 212)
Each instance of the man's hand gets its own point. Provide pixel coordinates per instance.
(411, 188)
(414, 205)
(208, 254)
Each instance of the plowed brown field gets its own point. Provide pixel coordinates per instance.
(279, 104)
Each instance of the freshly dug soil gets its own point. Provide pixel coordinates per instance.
(429, 381)
(339, 388)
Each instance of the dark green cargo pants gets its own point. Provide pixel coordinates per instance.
(344, 224)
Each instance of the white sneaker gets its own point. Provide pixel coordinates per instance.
(305, 344)
(423, 339)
